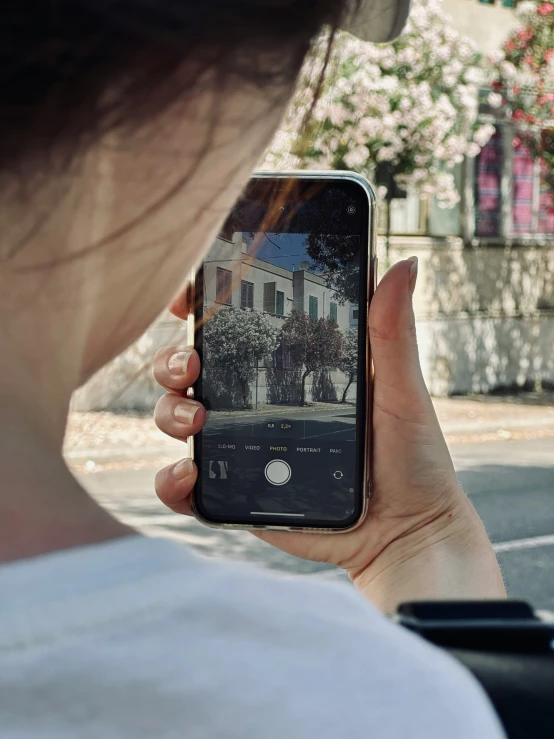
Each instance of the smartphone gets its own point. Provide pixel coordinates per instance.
(280, 324)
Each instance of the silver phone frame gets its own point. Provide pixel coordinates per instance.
(324, 176)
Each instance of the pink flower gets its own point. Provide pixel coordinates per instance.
(545, 8)
(525, 34)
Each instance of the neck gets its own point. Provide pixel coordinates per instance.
(42, 506)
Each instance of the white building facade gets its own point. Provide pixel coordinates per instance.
(232, 277)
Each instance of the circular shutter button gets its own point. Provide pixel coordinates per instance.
(277, 472)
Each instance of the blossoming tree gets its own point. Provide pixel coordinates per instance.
(311, 345)
(348, 361)
(412, 103)
(235, 339)
(524, 81)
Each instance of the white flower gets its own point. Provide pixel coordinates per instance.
(495, 57)
(526, 7)
(381, 102)
(356, 158)
(474, 75)
(483, 134)
(443, 52)
(508, 70)
(385, 154)
(494, 99)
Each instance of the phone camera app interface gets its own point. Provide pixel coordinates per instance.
(281, 369)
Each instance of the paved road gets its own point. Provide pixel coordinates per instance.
(334, 423)
(511, 483)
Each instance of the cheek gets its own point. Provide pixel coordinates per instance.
(167, 212)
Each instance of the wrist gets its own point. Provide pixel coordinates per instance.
(450, 558)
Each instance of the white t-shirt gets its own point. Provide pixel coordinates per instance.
(141, 638)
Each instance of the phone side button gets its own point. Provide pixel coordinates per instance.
(375, 272)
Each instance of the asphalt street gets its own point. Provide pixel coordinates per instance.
(335, 423)
(510, 482)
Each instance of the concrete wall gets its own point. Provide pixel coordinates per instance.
(485, 320)
(485, 316)
(260, 390)
(487, 25)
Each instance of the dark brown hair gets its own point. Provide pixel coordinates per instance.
(72, 69)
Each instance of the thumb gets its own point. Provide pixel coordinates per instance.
(398, 381)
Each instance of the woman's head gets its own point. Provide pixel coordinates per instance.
(127, 130)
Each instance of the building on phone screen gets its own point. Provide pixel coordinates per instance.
(235, 279)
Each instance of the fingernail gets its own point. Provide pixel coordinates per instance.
(413, 274)
(185, 412)
(183, 469)
(177, 363)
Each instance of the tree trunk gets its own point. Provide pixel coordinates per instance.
(245, 392)
(303, 388)
(347, 388)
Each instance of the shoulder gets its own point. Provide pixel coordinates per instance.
(316, 650)
(148, 638)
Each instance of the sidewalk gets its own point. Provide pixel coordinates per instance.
(107, 440)
(471, 418)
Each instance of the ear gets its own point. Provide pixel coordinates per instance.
(182, 304)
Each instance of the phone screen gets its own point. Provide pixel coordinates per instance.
(281, 316)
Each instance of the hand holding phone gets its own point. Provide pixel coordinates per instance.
(281, 325)
(421, 537)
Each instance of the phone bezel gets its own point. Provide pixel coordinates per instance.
(366, 462)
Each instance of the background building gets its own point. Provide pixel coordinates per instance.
(485, 297)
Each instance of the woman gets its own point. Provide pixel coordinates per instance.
(128, 130)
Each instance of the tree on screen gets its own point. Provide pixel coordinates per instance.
(235, 340)
(335, 257)
(310, 344)
(348, 359)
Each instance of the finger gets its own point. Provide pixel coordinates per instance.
(182, 305)
(403, 411)
(399, 381)
(176, 368)
(179, 417)
(174, 485)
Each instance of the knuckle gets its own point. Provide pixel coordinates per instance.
(163, 410)
(160, 404)
(159, 480)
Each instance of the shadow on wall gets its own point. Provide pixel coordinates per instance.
(221, 391)
(485, 317)
(323, 387)
(284, 387)
(481, 354)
